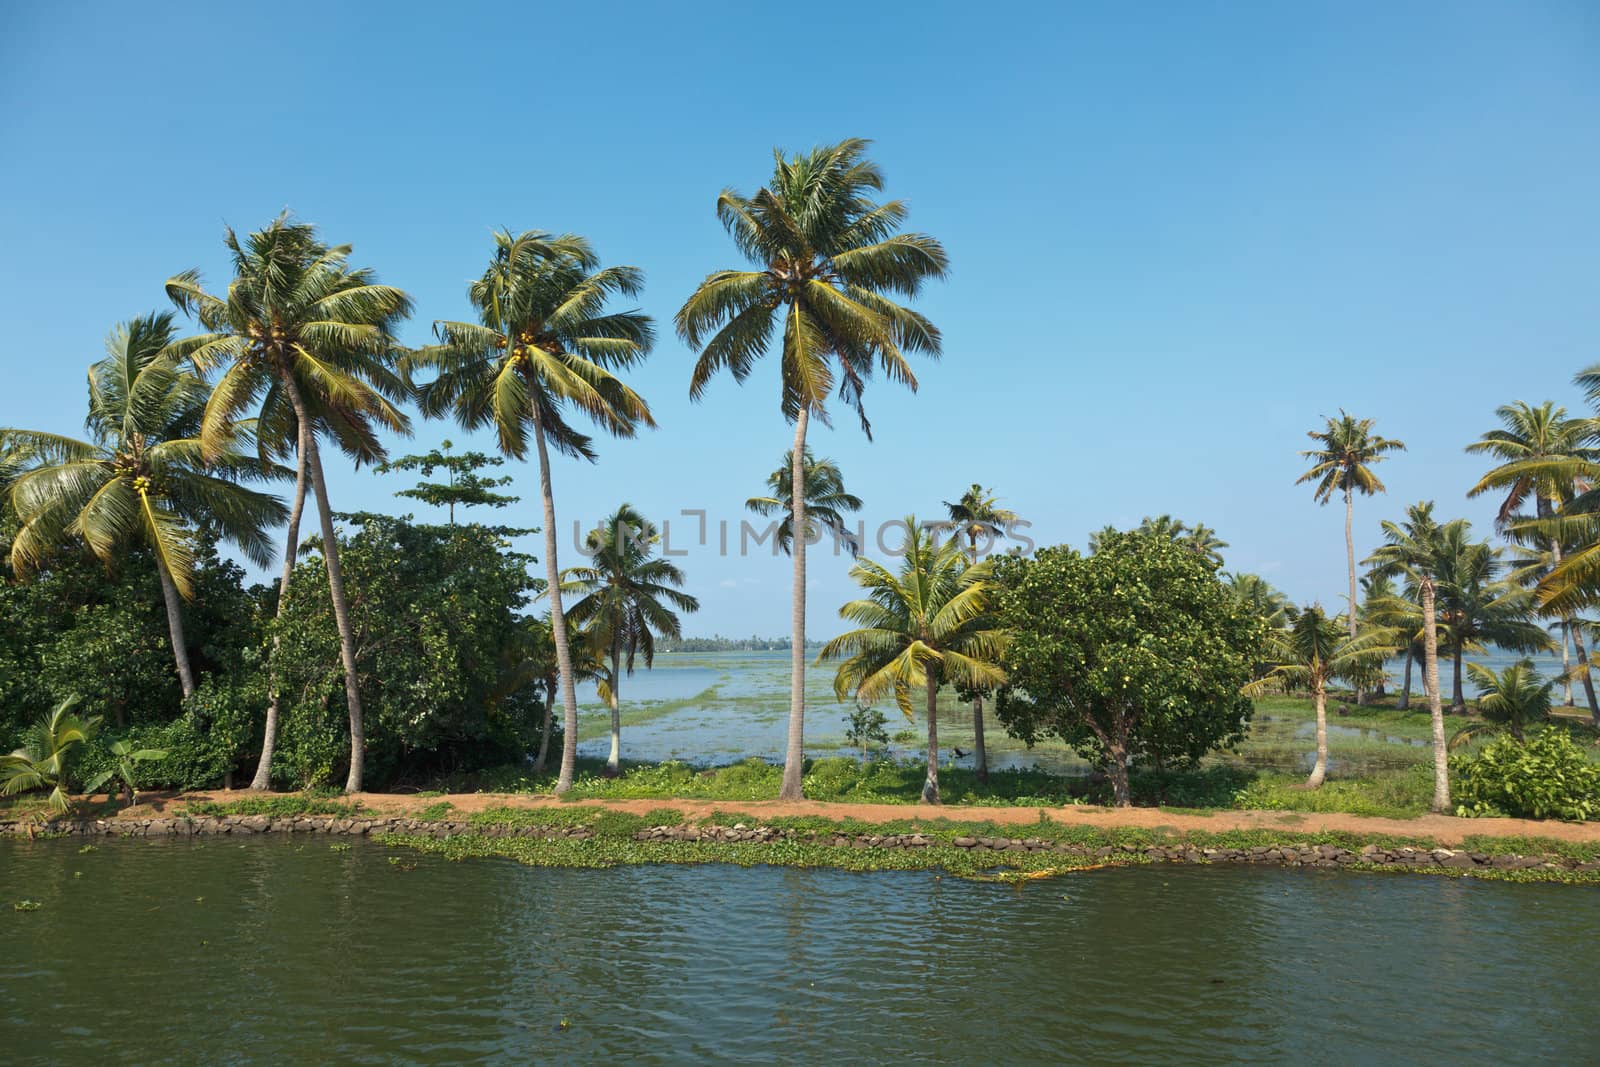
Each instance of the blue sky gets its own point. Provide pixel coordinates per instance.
(1179, 233)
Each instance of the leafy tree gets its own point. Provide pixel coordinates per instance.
(438, 611)
(1549, 777)
(543, 344)
(825, 504)
(1136, 651)
(462, 485)
(44, 761)
(1414, 550)
(1200, 539)
(866, 728)
(829, 261)
(1313, 650)
(140, 478)
(977, 513)
(1347, 450)
(627, 598)
(299, 325)
(924, 627)
(1509, 701)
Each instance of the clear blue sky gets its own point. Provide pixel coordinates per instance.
(1179, 232)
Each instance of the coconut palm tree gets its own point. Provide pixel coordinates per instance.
(308, 341)
(1313, 650)
(1412, 550)
(1259, 596)
(1510, 701)
(829, 261)
(1398, 610)
(1477, 608)
(977, 513)
(43, 760)
(544, 345)
(1343, 461)
(141, 477)
(825, 504)
(924, 627)
(625, 593)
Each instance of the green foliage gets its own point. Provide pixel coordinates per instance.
(463, 484)
(442, 654)
(826, 501)
(125, 767)
(279, 807)
(45, 761)
(1549, 777)
(866, 729)
(1138, 652)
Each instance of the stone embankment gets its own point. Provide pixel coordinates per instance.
(1299, 854)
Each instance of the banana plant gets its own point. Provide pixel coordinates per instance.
(124, 769)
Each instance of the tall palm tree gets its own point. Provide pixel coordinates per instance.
(1398, 610)
(1347, 451)
(1478, 608)
(829, 260)
(1313, 650)
(977, 513)
(544, 344)
(1543, 455)
(926, 626)
(307, 341)
(1412, 550)
(624, 596)
(141, 477)
(825, 504)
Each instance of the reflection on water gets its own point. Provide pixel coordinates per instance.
(279, 950)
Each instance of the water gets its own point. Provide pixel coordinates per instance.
(280, 950)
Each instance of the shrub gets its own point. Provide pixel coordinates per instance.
(1548, 777)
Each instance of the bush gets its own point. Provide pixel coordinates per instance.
(1549, 777)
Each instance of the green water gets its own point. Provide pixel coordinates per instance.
(281, 950)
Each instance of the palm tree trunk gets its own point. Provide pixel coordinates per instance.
(336, 593)
(1566, 664)
(1319, 770)
(930, 785)
(291, 547)
(794, 753)
(1458, 699)
(544, 733)
(1404, 703)
(1582, 656)
(180, 650)
(1430, 682)
(1350, 559)
(558, 617)
(614, 761)
(980, 754)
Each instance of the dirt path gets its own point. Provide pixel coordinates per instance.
(1442, 828)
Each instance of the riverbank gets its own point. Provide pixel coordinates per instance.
(1001, 843)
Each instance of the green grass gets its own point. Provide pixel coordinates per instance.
(278, 806)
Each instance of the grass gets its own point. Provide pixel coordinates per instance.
(279, 806)
(613, 844)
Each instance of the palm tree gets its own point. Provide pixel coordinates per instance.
(1412, 550)
(1510, 701)
(543, 344)
(923, 627)
(825, 504)
(311, 341)
(1261, 597)
(978, 514)
(1314, 650)
(141, 476)
(1343, 462)
(1382, 605)
(625, 592)
(1542, 454)
(829, 261)
(43, 760)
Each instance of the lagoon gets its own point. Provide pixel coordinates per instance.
(283, 949)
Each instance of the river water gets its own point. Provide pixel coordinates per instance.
(283, 950)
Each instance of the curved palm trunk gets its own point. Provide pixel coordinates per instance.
(930, 786)
(1404, 703)
(794, 753)
(980, 754)
(1430, 682)
(614, 761)
(1319, 770)
(180, 649)
(558, 618)
(291, 547)
(336, 593)
(1582, 656)
(1350, 559)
